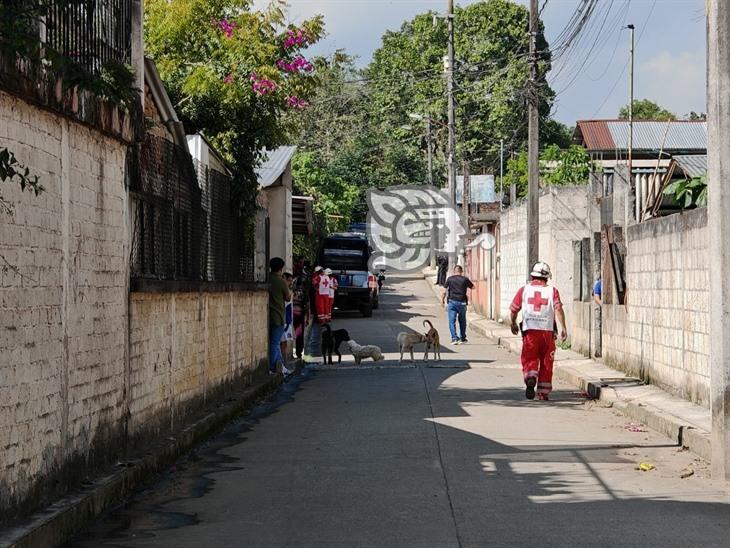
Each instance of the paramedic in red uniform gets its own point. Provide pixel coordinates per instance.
(540, 306)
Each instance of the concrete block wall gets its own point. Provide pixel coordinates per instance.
(565, 217)
(85, 367)
(186, 347)
(663, 334)
(62, 301)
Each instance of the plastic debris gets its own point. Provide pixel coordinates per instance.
(686, 473)
(645, 466)
(631, 427)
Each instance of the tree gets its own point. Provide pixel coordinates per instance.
(233, 73)
(645, 109)
(569, 166)
(492, 71)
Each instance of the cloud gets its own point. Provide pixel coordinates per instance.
(677, 81)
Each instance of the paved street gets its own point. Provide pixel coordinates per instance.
(447, 454)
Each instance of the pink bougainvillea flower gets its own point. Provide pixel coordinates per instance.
(295, 38)
(228, 78)
(262, 86)
(227, 27)
(299, 64)
(295, 102)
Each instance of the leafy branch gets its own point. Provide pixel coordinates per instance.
(689, 192)
(12, 170)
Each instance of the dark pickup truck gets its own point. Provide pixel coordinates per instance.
(347, 254)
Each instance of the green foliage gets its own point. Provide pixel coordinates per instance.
(645, 109)
(570, 166)
(688, 193)
(212, 55)
(406, 76)
(12, 170)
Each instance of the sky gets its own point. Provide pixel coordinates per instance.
(670, 48)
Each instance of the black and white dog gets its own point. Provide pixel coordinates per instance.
(331, 341)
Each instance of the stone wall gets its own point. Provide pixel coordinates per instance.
(565, 217)
(63, 294)
(662, 334)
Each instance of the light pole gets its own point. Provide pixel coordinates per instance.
(429, 178)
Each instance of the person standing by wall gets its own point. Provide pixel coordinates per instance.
(288, 335)
(300, 290)
(442, 268)
(539, 305)
(279, 294)
(455, 292)
(597, 311)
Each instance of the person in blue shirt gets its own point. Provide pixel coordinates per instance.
(597, 292)
(597, 299)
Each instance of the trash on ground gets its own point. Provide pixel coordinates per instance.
(687, 472)
(645, 466)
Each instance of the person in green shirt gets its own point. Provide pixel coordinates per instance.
(279, 295)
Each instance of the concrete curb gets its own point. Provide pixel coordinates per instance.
(567, 369)
(59, 522)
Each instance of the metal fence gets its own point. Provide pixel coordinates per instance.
(186, 226)
(90, 32)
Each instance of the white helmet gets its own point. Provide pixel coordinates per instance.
(328, 271)
(541, 270)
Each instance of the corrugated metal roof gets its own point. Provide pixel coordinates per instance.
(660, 135)
(274, 165)
(595, 135)
(610, 135)
(693, 165)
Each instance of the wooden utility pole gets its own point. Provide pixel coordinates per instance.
(466, 200)
(533, 148)
(637, 194)
(452, 117)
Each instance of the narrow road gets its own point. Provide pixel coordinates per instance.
(447, 454)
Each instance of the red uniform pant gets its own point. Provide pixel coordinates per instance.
(538, 355)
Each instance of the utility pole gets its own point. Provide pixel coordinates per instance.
(429, 175)
(631, 125)
(430, 150)
(466, 200)
(533, 148)
(718, 222)
(451, 114)
(501, 174)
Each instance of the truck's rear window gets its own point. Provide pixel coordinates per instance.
(344, 255)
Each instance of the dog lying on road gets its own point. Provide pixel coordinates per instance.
(406, 342)
(331, 341)
(432, 341)
(360, 352)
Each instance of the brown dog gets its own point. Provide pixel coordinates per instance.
(432, 341)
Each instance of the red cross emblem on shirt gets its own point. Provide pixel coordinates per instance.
(326, 282)
(537, 301)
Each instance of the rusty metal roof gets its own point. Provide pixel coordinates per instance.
(613, 135)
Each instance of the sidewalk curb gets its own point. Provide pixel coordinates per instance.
(686, 435)
(59, 522)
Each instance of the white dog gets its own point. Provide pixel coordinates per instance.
(361, 352)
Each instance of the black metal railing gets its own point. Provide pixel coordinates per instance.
(186, 226)
(92, 33)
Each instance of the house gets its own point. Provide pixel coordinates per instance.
(289, 215)
(654, 145)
